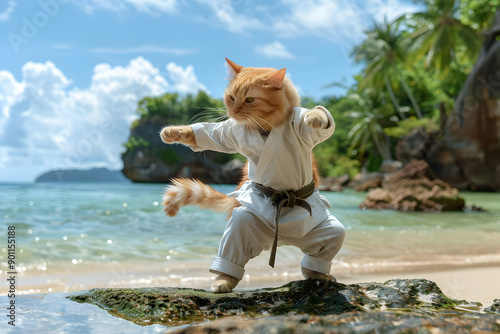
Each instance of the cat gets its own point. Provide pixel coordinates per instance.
(267, 125)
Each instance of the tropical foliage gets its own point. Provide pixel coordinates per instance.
(413, 69)
(180, 110)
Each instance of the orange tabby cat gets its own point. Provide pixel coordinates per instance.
(267, 126)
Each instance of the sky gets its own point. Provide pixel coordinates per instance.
(72, 71)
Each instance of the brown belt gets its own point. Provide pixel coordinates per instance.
(288, 199)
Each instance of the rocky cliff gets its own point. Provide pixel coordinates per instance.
(467, 153)
(148, 159)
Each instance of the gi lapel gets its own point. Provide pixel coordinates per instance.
(268, 153)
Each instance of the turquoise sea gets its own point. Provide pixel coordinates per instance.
(77, 236)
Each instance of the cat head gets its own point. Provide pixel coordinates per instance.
(261, 98)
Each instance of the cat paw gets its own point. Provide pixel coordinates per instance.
(308, 273)
(172, 134)
(316, 119)
(224, 284)
(221, 287)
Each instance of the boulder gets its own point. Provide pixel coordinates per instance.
(353, 322)
(416, 145)
(414, 188)
(231, 172)
(390, 166)
(334, 183)
(366, 181)
(494, 308)
(312, 306)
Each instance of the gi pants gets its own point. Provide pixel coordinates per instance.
(246, 236)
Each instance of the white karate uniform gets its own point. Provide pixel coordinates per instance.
(281, 161)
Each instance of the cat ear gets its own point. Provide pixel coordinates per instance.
(276, 79)
(233, 69)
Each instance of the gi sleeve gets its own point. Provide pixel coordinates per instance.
(215, 137)
(311, 135)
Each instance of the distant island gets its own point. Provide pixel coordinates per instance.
(76, 175)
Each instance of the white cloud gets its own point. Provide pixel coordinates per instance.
(184, 80)
(9, 90)
(47, 123)
(339, 21)
(274, 50)
(151, 6)
(142, 49)
(228, 18)
(144, 6)
(390, 9)
(328, 19)
(5, 15)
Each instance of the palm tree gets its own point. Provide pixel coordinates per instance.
(441, 37)
(370, 127)
(446, 43)
(479, 14)
(383, 51)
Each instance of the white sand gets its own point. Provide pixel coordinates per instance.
(480, 284)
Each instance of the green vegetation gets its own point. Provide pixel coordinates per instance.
(168, 156)
(136, 142)
(177, 110)
(413, 69)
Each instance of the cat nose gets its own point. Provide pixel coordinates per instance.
(237, 110)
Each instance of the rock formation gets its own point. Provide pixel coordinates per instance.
(332, 183)
(150, 160)
(309, 306)
(467, 153)
(414, 188)
(366, 181)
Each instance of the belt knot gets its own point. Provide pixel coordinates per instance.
(288, 199)
(284, 198)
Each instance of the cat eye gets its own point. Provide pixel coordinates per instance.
(231, 98)
(249, 99)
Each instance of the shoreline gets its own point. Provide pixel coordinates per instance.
(474, 282)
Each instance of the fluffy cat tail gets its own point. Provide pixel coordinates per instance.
(184, 192)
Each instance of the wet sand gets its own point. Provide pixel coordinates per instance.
(472, 282)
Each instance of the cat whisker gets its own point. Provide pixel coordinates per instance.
(262, 119)
(210, 119)
(258, 127)
(253, 124)
(210, 115)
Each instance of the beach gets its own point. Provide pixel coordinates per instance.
(477, 283)
(77, 237)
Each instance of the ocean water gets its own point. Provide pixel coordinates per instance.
(76, 236)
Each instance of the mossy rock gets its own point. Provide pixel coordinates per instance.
(176, 306)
